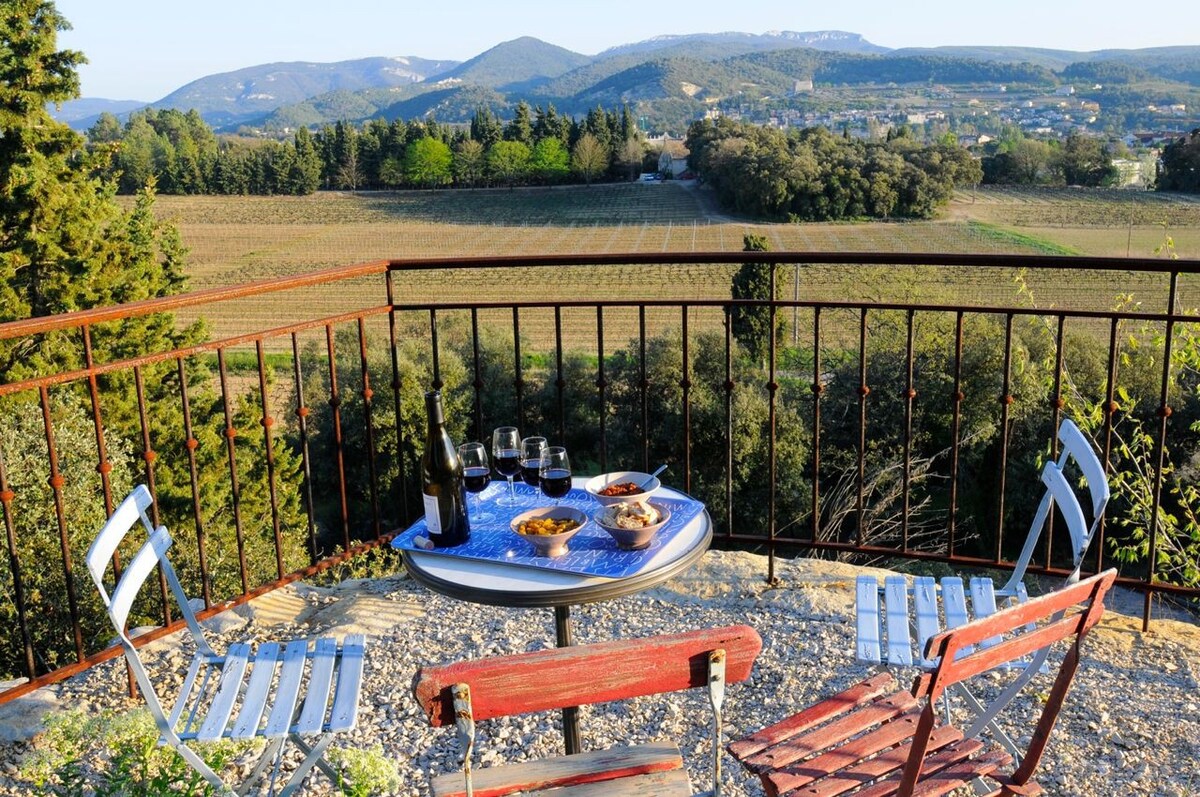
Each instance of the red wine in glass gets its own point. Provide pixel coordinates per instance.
(532, 449)
(556, 473)
(506, 457)
(508, 462)
(556, 482)
(530, 470)
(476, 480)
(476, 475)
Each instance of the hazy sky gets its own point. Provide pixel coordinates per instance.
(145, 49)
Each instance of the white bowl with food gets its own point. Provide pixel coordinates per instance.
(633, 524)
(622, 487)
(548, 528)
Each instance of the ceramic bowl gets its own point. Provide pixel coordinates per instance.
(635, 539)
(598, 483)
(549, 544)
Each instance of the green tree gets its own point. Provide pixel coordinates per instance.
(508, 162)
(469, 163)
(427, 163)
(1181, 164)
(306, 174)
(550, 162)
(549, 124)
(752, 325)
(485, 127)
(630, 156)
(64, 243)
(589, 159)
(106, 130)
(521, 127)
(1085, 161)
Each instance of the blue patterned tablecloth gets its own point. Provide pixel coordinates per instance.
(591, 552)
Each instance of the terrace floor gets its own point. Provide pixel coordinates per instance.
(1130, 725)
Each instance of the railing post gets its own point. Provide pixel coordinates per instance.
(1164, 412)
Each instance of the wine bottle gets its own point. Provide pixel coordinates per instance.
(442, 481)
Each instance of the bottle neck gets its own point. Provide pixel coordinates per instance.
(433, 406)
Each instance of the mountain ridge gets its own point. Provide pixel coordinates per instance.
(686, 70)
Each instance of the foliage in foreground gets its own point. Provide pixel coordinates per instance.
(117, 753)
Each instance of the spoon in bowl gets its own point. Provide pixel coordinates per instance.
(646, 483)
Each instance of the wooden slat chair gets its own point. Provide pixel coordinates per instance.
(282, 691)
(898, 620)
(869, 741)
(465, 692)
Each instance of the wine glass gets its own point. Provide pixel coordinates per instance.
(506, 455)
(531, 459)
(555, 473)
(476, 475)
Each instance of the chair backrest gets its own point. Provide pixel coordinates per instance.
(119, 602)
(1025, 628)
(585, 674)
(1077, 448)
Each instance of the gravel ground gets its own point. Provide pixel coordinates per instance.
(1131, 725)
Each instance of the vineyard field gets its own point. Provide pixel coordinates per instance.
(238, 239)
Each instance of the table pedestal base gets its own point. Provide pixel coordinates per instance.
(570, 714)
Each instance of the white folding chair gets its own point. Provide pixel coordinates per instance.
(265, 685)
(885, 621)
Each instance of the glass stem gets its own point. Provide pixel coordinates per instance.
(512, 491)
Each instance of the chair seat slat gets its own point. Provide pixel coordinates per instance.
(842, 703)
(320, 679)
(254, 702)
(228, 689)
(839, 730)
(925, 595)
(594, 766)
(983, 599)
(286, 693)
(954, 604)
(344, 713)
(830, 776)
(185, 693)
(899, 641)
(944, 771)
(867, 619)
(671, 783)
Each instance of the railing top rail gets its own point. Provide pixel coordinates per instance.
(1039, 262)
(97, 315)
(80, 318)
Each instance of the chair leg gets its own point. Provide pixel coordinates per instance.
(321, 762)
(314, 757)
(1003, 738)
(271, 754)
(198, 764)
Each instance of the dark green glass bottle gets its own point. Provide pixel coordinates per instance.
(442, 485)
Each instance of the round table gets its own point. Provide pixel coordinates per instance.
(500, 584)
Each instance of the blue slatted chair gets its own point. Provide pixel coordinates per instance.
(898, 619)
(302, 692)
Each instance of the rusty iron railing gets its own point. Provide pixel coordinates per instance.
(362, 490)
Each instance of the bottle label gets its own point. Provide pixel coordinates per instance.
(433, 520)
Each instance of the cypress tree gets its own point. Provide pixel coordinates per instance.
(65, 244)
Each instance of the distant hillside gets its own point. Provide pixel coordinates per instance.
(835, 40)
(679, 84)
(83, 113)
(231, 98)
(1170, 63)
(671, 77)
(520, 63)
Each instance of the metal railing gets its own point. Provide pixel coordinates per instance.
(336, 478)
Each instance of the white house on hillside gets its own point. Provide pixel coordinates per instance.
(673, 158)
